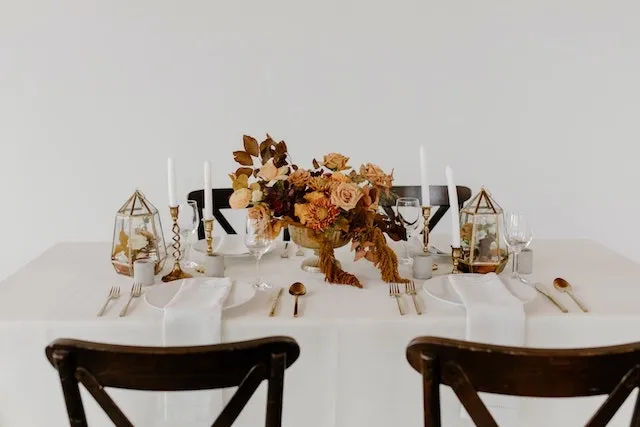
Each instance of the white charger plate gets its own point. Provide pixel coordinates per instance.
(228, 245)
(441, 289)
(159, 295)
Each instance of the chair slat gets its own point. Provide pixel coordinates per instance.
(470, 368)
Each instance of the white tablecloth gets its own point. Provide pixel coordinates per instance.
(352, 370)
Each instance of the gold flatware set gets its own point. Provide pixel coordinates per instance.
(563, 286)
(296, 290)
(114, 294)
(410, 290)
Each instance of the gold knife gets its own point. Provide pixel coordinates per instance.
(275, 303)
(544, 291)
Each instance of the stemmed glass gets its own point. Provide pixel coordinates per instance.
(188, 220)
(258, 240)
(410, 213)
(517, 235)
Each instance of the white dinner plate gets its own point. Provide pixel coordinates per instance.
(159, 295)
(441, 289)
(228, 245)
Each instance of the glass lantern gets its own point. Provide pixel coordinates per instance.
(137, 234)
(480, 227)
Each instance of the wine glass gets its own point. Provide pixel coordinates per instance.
(517, 235)
(257, 240)
(410, 213)
(188, 220)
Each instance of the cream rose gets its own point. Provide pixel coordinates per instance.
(346, 196)
(240, 198)
(268, 172)
(335, 161)
(138, 241)
(256, 196)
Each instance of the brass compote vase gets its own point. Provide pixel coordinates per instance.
(307, 238)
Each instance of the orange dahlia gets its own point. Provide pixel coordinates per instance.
(322, 213)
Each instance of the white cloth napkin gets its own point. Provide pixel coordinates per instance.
(194, 317)
(494, 316)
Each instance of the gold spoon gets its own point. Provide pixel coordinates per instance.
(296, 290)
(564, 286)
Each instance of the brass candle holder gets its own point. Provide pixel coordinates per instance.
(176, 273)
(208, 234)
(456, 254)
(426, 214)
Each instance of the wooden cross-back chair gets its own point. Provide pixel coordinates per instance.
(438, 194)
(469, 368)
(220, 201)
(244, 364)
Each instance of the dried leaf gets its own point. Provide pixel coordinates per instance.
(266, 155)
(279, 160)
(244, 171)
(266, 144)
(243, 158)
(316, 165)
(251, 145)
(281, 147)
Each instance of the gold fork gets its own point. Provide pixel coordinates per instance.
(394, 292)
(410, 289)
(114, 293)
(136, 291)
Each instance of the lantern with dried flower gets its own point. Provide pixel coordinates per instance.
(480, 227)
(137, 234)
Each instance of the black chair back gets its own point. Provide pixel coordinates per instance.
(243, 364)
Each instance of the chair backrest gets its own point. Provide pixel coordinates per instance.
(220, 201)
(438, 194)
(469, 368)
(244, 364)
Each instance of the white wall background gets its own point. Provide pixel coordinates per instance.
(536, 99)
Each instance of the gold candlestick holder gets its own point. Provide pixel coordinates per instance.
(456, 254)
(208, 234)
(426, 214)
(176, 273)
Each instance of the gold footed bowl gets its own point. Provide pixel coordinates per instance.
(307, 238)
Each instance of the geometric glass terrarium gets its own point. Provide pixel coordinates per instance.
(137, 234)
(480, 225)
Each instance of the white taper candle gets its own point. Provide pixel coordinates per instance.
(171, 181)
(426, 201)
(455, 210)
(208, 203)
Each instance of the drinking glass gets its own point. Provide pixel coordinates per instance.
(517, 235)
(258, 242)
(410, 214)
(188, 220)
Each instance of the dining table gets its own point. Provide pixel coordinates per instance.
(352, 369)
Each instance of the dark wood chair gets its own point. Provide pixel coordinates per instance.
(469, 368)
(243, 364)
(220, 201)
(438, 194)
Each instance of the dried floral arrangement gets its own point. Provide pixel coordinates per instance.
(331, 197)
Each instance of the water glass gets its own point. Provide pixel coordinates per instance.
(257, 240)
(409, 212)
(517, 235)
(188, 220)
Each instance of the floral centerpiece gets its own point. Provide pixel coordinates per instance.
(331, 203)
